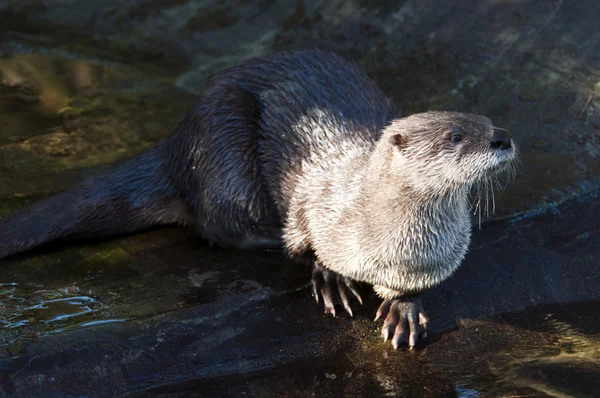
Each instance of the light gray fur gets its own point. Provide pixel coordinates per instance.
(395, 217)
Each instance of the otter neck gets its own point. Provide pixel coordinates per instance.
(382, 203)
(393, 195)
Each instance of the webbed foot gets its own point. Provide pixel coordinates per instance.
(406, 321)
(334, 289)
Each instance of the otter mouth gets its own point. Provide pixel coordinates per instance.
(502, 162)
(503, 156)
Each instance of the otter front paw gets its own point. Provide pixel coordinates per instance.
(334, 289)
(406, 321)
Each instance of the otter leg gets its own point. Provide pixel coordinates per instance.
(334, 289)
(406, 321)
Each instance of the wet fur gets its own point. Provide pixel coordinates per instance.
(297, 149)
(396, 215)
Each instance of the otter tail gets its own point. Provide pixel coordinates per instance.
(133, 197)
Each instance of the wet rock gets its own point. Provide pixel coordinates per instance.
(198, 278)
(108, 80)
(253, 335)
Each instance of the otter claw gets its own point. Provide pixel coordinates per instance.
(405, 323)
(354, 288)
(325, 285)
(344, 297)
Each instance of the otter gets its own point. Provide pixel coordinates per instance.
(300, 150)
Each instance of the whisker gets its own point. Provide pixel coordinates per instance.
(487, 199)
(492, 197)
(498, 180)
(480, 215)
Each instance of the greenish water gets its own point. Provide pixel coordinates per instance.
(66, 119)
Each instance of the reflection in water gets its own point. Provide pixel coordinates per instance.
(570, 365)
(60, 309)
(56, 311)
(87, 324)
(61, 117)
(464, 392)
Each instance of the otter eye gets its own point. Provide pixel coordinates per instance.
(455, 135)
(455, 138)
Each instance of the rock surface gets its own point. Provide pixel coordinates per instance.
(85, 85)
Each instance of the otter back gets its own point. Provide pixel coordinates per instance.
(230, 167)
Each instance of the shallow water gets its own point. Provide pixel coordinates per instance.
(66, 118)
(161, 271)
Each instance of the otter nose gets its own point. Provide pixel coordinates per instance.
(500, 139)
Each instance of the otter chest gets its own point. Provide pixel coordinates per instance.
(421, 254)
(435, 243)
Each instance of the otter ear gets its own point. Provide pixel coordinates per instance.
(398, 140)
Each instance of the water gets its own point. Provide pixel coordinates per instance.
(66, 118)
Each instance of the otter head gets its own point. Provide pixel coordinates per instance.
(447, 151)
